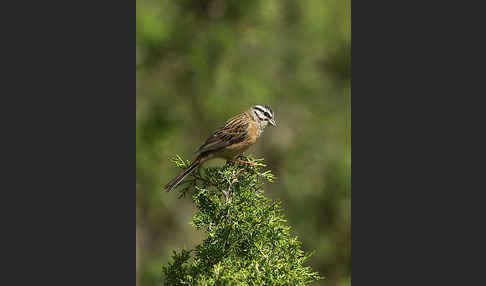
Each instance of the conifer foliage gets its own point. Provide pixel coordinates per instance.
(248, 241)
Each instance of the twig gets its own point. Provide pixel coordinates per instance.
(206, 181)
(225, 193)
(233, 179)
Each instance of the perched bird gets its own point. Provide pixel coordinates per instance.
(230, 140)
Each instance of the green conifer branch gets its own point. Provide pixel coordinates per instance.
(248, 242)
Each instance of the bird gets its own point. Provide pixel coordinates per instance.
(231, 140)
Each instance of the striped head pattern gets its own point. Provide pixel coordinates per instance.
(263, 114)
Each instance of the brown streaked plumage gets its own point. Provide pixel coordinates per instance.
(230, 140)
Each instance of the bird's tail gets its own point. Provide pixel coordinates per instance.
(172, 184)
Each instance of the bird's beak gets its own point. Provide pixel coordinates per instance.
(272, 121)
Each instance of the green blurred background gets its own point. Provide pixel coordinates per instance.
(199, 63)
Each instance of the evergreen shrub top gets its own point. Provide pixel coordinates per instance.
(248, 242)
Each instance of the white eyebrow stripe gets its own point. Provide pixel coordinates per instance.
(259, 113)
(263, 109)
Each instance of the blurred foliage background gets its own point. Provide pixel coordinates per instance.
(199, 62)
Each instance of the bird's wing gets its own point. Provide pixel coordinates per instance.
(234, 131)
